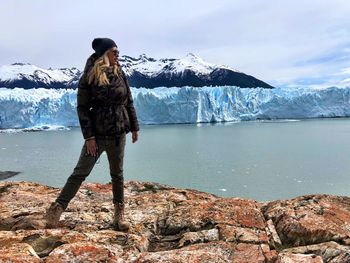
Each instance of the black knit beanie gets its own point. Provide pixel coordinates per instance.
(101, 45)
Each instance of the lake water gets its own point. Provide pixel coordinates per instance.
(263, 160)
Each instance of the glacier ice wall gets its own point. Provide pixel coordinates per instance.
(20, 108)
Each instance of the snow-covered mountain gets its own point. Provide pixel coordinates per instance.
(26, 75)
(188, 71)
(142, 72)
(20, 108)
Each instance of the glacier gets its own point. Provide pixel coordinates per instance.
(29, 108)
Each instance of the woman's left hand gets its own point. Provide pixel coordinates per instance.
(135, 136)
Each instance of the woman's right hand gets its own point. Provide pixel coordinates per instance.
(91, 147)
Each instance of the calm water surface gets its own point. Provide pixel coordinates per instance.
(260, 160)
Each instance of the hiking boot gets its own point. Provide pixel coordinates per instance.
(118, 220)
(53, 214)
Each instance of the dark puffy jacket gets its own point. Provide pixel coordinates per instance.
(105, 110)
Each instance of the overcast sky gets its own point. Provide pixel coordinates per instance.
(283, 42)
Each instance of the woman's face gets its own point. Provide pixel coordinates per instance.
(113, 54)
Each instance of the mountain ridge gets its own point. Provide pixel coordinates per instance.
(143, 71)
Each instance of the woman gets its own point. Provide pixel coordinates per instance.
(106, 114)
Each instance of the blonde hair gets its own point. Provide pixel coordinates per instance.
(97, 74)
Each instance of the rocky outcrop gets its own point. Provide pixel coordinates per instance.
(7, 174)
(171, 225)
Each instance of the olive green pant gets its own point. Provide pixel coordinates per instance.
(114, 147)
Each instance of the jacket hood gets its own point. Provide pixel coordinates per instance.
(90, 62)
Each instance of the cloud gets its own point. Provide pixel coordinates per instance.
(281, 42)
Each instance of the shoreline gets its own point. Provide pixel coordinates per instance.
(53, 127)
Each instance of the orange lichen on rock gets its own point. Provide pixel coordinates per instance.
(172, 225)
